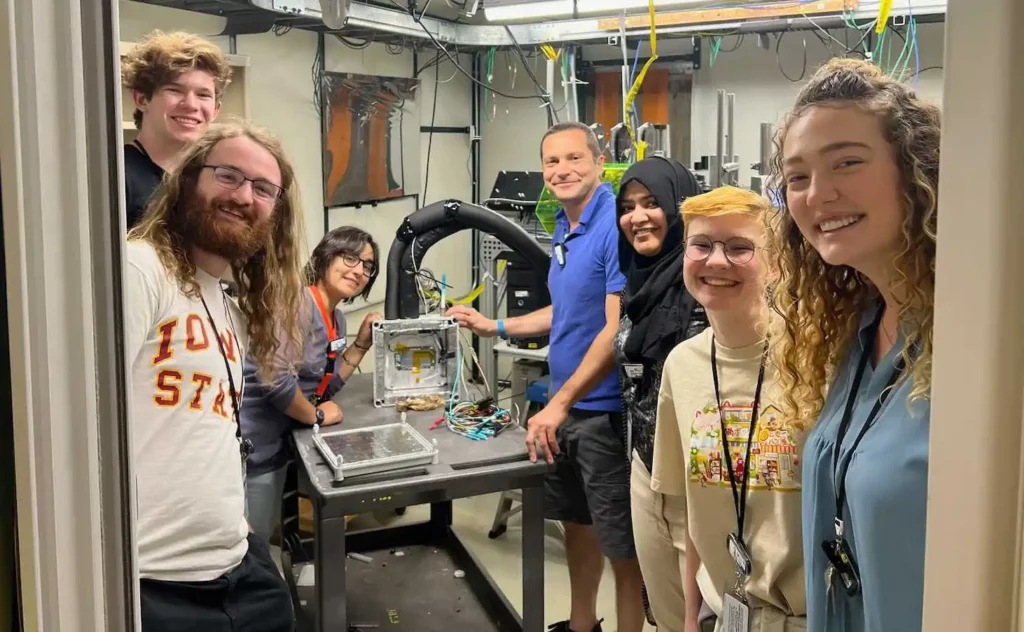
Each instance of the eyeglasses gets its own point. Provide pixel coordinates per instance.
(369, 267)
(231, 178)
(737, 250)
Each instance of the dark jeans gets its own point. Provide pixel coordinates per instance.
(251, 598)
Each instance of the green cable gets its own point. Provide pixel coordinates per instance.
(487, 75)
(909, 47)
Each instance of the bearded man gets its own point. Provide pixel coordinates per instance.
(229, 206)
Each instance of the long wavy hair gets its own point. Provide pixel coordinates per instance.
(821, 304)
(269, 283)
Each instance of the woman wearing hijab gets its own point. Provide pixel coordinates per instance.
(657, 314)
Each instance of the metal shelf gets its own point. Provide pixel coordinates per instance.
(391, 25)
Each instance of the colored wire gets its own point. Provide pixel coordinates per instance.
(475, 420)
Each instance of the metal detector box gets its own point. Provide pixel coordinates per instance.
(414, 357)
(373, 450)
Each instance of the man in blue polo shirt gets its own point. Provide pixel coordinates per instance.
(580, 429)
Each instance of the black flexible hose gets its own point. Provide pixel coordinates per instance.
(433, 223)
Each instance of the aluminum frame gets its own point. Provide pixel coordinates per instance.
(438, 335)
(426, 456)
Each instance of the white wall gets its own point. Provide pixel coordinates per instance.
(511, 140)
(281, 98)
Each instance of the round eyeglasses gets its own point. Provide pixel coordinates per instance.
(737, 250)
(231, 178)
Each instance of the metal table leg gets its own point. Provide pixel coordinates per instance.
(533, 559)
(329, 572)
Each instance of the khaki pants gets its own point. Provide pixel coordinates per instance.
(659, 528)
(769, 619)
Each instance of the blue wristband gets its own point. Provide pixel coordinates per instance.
(501, 329)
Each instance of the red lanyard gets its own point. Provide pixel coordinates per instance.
(331, 334)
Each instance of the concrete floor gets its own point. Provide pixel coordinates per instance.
(501, 557)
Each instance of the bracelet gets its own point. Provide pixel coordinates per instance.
(349, 362)
(360, 347)
(501, 329)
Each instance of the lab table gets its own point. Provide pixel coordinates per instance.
(465, 468)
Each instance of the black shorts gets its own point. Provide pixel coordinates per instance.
(590, 483)
(251, 598)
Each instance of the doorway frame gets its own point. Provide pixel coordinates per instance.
(63, 226)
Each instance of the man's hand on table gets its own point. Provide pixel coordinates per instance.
(332, 413)
(542, 430)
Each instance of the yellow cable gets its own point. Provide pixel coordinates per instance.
(883, 16)
(641, 146)
(473, 294)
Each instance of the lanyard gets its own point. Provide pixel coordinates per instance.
(245, 445)
(839, 469)
(332, 333)
(739, 496)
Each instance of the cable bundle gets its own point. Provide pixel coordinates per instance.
(478, 420)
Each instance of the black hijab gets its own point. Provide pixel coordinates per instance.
(655, 298)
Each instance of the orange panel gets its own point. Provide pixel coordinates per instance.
(377, 180)
(654, 97)
(710, 16)
(339, 141)
(608, 99)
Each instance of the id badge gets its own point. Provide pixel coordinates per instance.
(735, 612)
(842, 564)
(560, 254)
(739, 555)
(336, 345)
(633, 371)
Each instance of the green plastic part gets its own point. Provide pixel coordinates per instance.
(547, 205)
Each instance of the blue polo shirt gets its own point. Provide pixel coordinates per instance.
(578, 291)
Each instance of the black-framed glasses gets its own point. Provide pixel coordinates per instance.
(351, 260)
(737, 250)
(231, 178)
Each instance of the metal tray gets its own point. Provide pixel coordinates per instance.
(373, 450)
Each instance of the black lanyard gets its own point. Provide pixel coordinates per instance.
(245, 445)
(739, 496)
(839, 469)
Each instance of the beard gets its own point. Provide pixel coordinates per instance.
(206, 229)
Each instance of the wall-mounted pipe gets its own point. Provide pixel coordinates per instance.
(572, 84)
(716, 174)
(766, 148)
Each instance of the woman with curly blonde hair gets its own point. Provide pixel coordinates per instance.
(857, 164)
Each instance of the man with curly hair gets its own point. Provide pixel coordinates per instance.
(177, 81)
(230, 206)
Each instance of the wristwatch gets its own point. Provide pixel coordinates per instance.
(319, 417)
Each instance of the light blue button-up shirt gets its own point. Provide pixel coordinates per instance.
(886, 494)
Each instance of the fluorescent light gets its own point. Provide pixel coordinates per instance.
(529, 10)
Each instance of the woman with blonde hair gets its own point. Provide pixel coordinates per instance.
(722, 445)
(857, 165)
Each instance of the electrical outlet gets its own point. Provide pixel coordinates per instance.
(613, 40)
